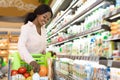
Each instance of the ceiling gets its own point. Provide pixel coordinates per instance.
(12, 12)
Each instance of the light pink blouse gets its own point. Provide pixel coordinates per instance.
(31, 42)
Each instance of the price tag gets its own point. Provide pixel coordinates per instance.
(87, 58)
(93, 58)
(90, 59)
(81, 58)
(97, 59)
(109, 63)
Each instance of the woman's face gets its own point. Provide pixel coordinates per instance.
(44, 18)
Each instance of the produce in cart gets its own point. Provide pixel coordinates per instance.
(25, 72)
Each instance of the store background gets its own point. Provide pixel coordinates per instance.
(81, 31)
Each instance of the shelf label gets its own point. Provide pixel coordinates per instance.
(109, 63)
(3, 32)
(15, 33)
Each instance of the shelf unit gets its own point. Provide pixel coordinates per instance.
(8, 42)
(66, 77)
(113, 15)
(13, 41)
(62, 15)
(79, 17)
(108, 62)
(114, 38)
(4, 45)
(90, 31)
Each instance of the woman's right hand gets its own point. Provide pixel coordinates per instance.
(35, 65)
(43, 52)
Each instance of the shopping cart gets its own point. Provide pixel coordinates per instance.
(1, 61)
(15, 62)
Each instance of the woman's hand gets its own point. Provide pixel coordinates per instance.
(36, 66)
(43, 52)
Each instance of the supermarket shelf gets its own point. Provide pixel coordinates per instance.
(15, 33)
(103, 62)
(4, 55)
(114, 15)
(4, 33)
(116, 64)
(90, 31)
(3, 48)
(13, 44)
(61, 17)
(67, 77)
(115, 56)
(72, 21)
(107, 62)
(89, 10)
(91, 58)
(13, 48)
(114, 38)
(110, 63)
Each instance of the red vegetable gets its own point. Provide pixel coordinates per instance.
(22, 70)
(26, 75)
(14, 72)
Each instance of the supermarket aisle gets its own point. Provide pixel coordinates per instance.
(84, 34)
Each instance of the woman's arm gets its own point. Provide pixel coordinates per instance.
(24, 53)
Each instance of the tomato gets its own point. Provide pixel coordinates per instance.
(22, 70)
(26, 75)
(14, 72)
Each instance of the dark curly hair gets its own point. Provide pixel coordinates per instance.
(41, 9)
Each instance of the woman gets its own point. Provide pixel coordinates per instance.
(33, 35)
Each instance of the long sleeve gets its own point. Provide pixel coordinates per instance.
(24, 53)
(30, 42)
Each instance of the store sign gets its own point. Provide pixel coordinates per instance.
(19, 4)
